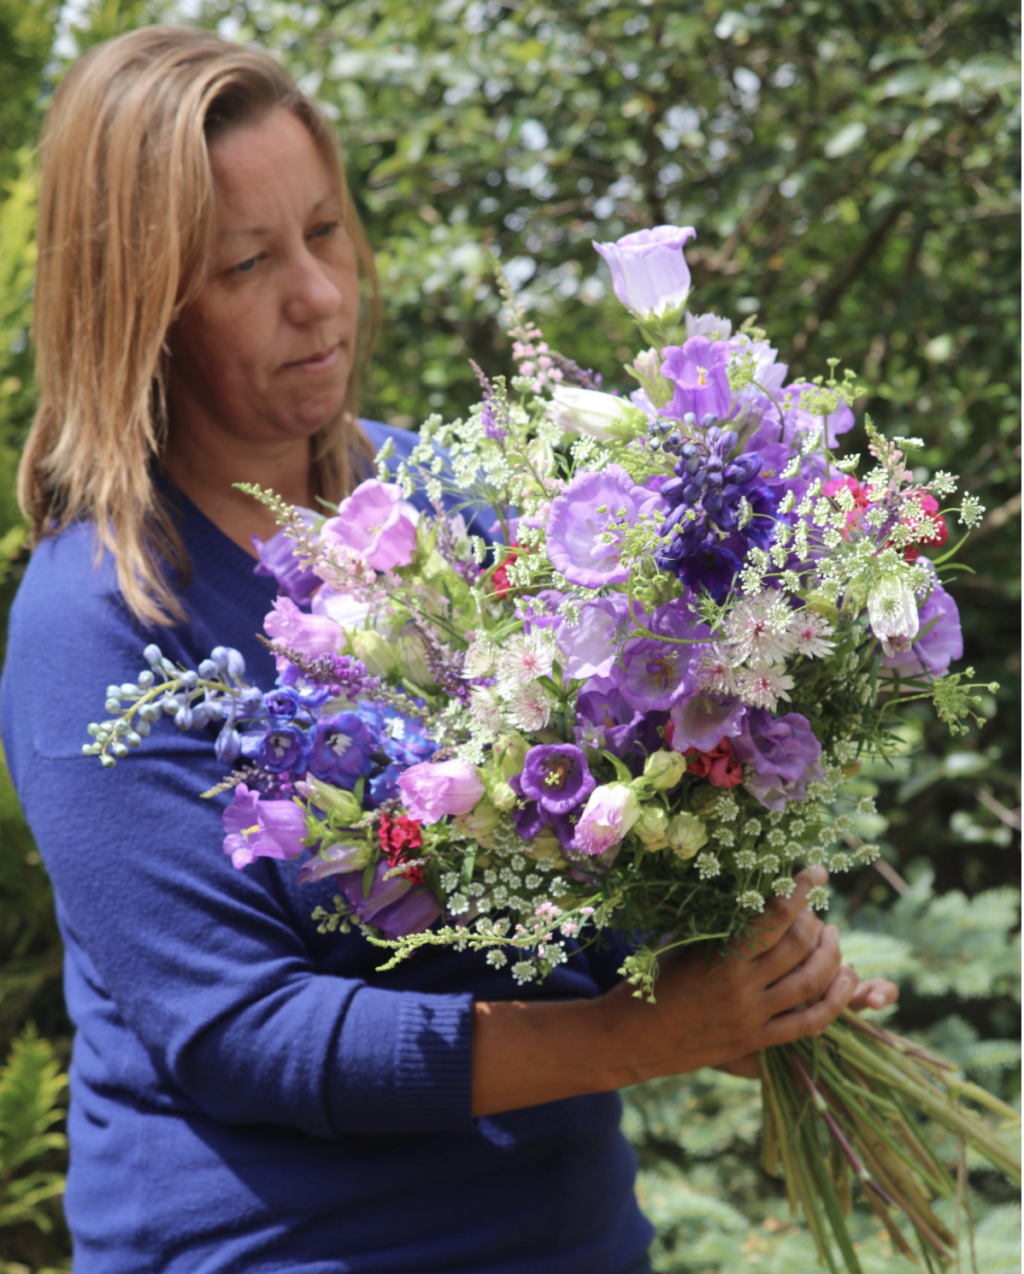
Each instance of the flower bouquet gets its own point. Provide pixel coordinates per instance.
(635, 693)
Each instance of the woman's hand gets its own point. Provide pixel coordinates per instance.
(788, 983)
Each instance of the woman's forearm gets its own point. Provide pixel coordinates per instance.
(528, 1053)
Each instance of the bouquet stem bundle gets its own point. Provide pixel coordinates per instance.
(842, 1106)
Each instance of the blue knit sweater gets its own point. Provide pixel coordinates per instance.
(247, 1094)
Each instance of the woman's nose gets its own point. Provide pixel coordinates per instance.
(312, 294)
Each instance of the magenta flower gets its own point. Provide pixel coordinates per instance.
(261, 829)
(557, 777)
(582, 542)
(649, 272)
(375, 521)
(394, 906)
(609, 814)
(311, 635)
(698, 369)
(433, 789)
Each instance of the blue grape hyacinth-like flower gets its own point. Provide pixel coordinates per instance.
(706, 495)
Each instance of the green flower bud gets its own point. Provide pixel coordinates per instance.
(374, 651)
(479, 824)
(651, 827)
(510, 753)
(686, 834)
(664, 769)
(334, 803)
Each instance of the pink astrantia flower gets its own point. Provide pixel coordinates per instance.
(375, 521)
(255, 828)
(433, 789)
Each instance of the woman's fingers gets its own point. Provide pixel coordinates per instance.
(810, 980)
(793, 947)
(768, 930)
(801, 1023)
(876, 993)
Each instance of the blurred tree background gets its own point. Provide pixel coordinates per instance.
(852, 168)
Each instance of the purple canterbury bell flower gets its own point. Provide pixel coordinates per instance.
(557, 777)
(784, 753)
(255, 828)
(529, 819)
(649, 272)
(698, 370)
(278, 560)
(395, 906)
(581, 524)
(654, 674)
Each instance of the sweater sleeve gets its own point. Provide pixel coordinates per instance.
(206, 964)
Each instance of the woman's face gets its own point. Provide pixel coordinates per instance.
(265, 352)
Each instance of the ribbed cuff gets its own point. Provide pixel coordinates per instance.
(403, 1064)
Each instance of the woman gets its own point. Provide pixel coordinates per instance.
(247, 1094)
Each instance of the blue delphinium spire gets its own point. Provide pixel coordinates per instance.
(708, 542)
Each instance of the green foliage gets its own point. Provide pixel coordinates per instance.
(32, 1088)
(851, 167)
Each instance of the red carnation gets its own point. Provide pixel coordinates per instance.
(719, 766)
(500, 577)
(398, 838)
(932, 530)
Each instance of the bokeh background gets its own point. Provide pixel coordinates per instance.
(852, 168)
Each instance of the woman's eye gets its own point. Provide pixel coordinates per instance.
(244, 267)
(328, 228)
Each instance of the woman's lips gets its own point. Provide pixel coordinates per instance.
(322, 362)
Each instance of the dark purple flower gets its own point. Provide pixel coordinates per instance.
(342, 749)
(394, 906)
(278, 560)
(277, 749)
(281, 705)
(712, 567)
(529, 819)
(557, 777)
(784, 753)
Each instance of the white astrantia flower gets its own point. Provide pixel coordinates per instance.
(530, 708)
(524, 658)
(485, 708)
(758, 629)
(764, 684)
(811, 631)
(479, 660)
(892, 611)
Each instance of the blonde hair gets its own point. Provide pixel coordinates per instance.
(126, 230)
